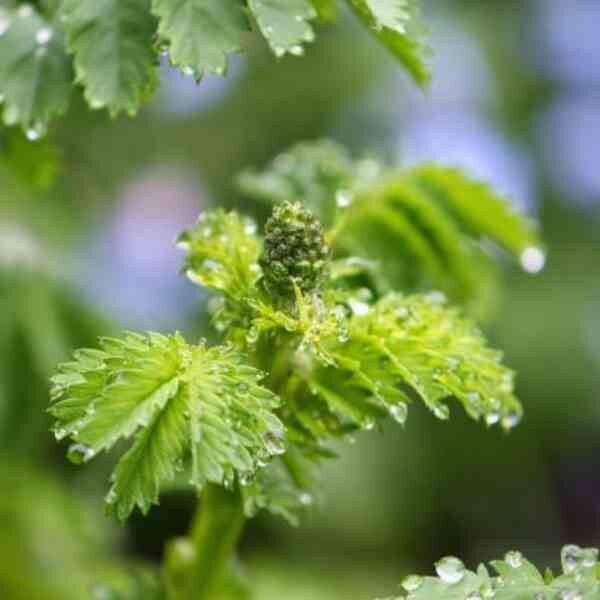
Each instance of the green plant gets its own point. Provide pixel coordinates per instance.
(516, 579)
(112, 47)
(317, 343)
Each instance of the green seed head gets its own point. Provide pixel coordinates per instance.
(294, 251)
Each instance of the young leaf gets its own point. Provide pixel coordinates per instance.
(175, 400)
(517, 579)
(395, 23)
(112, 42)
(35, 73)
(475, 205)
(405, 348)
(201, 33)
(284, 23)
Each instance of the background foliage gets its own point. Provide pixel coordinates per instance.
(92, 253)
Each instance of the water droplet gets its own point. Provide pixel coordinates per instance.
(510, 420)
(297, 50)
(492, 418)
(111, 497)
(305, 499)
(36, 131)
(533, 259)
(60, 434)
(4, 24)
(399, 412)
(450, 569)
(360, 309)
(343, 198)
(273, 444)
(246, 478)
(187, 70)
(79, 453)
(441, 411)
(570, 595)
(368, 424)
(514, 559)
(412, 583)
(571, 558)
(25, 11)
(43, 35)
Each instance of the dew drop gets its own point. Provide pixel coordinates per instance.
(399, 412)
(297, 50)
(79, 453)
(492, 418)
(273, 444)
(450, 569)
(25, 11)
(412, 583)
(343, 198)
(532, 259)
(571, 558)
(441, 411)
(305, 499)
(43, 35)
(514, 559)
(36, 131)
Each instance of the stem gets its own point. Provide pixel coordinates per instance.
(198, 565)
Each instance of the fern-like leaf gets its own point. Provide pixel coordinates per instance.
(200, 33)
(284, 23)
(516, 579)
(177, 401)
(398, 350)
(395, 23)
(35, 72)
(112, 43)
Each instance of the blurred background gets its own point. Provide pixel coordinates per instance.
(88, 250)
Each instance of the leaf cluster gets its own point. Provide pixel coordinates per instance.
(112, 47)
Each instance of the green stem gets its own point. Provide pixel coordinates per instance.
(197, 566)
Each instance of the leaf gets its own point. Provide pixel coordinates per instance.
(35, 72)
(477, 207)
(406, 348)
(175, 400)
(284, 23)
(517, 579)
(112, 43)
(395, 23)
(201, 33)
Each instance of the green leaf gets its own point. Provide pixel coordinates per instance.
(35, 72)
(406, 348)
(177, 401)
(113, 45)
(396, 24)
(284, 23)
(517, 579)
(201, 33)
(477, 207)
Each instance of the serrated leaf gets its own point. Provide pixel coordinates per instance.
(284, 23)
(35, 72)
(466, 198)
(517, 579)
(177, 401)
(113, 46)
(406, 348)
(201, 33)
(395, 23)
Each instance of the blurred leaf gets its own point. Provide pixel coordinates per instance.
(201, 34)
(113, 45)
(396, 24)
(284, 23)
(35, 72)
(173, 398)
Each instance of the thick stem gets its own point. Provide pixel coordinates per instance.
(215, 533)
(197, 566)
